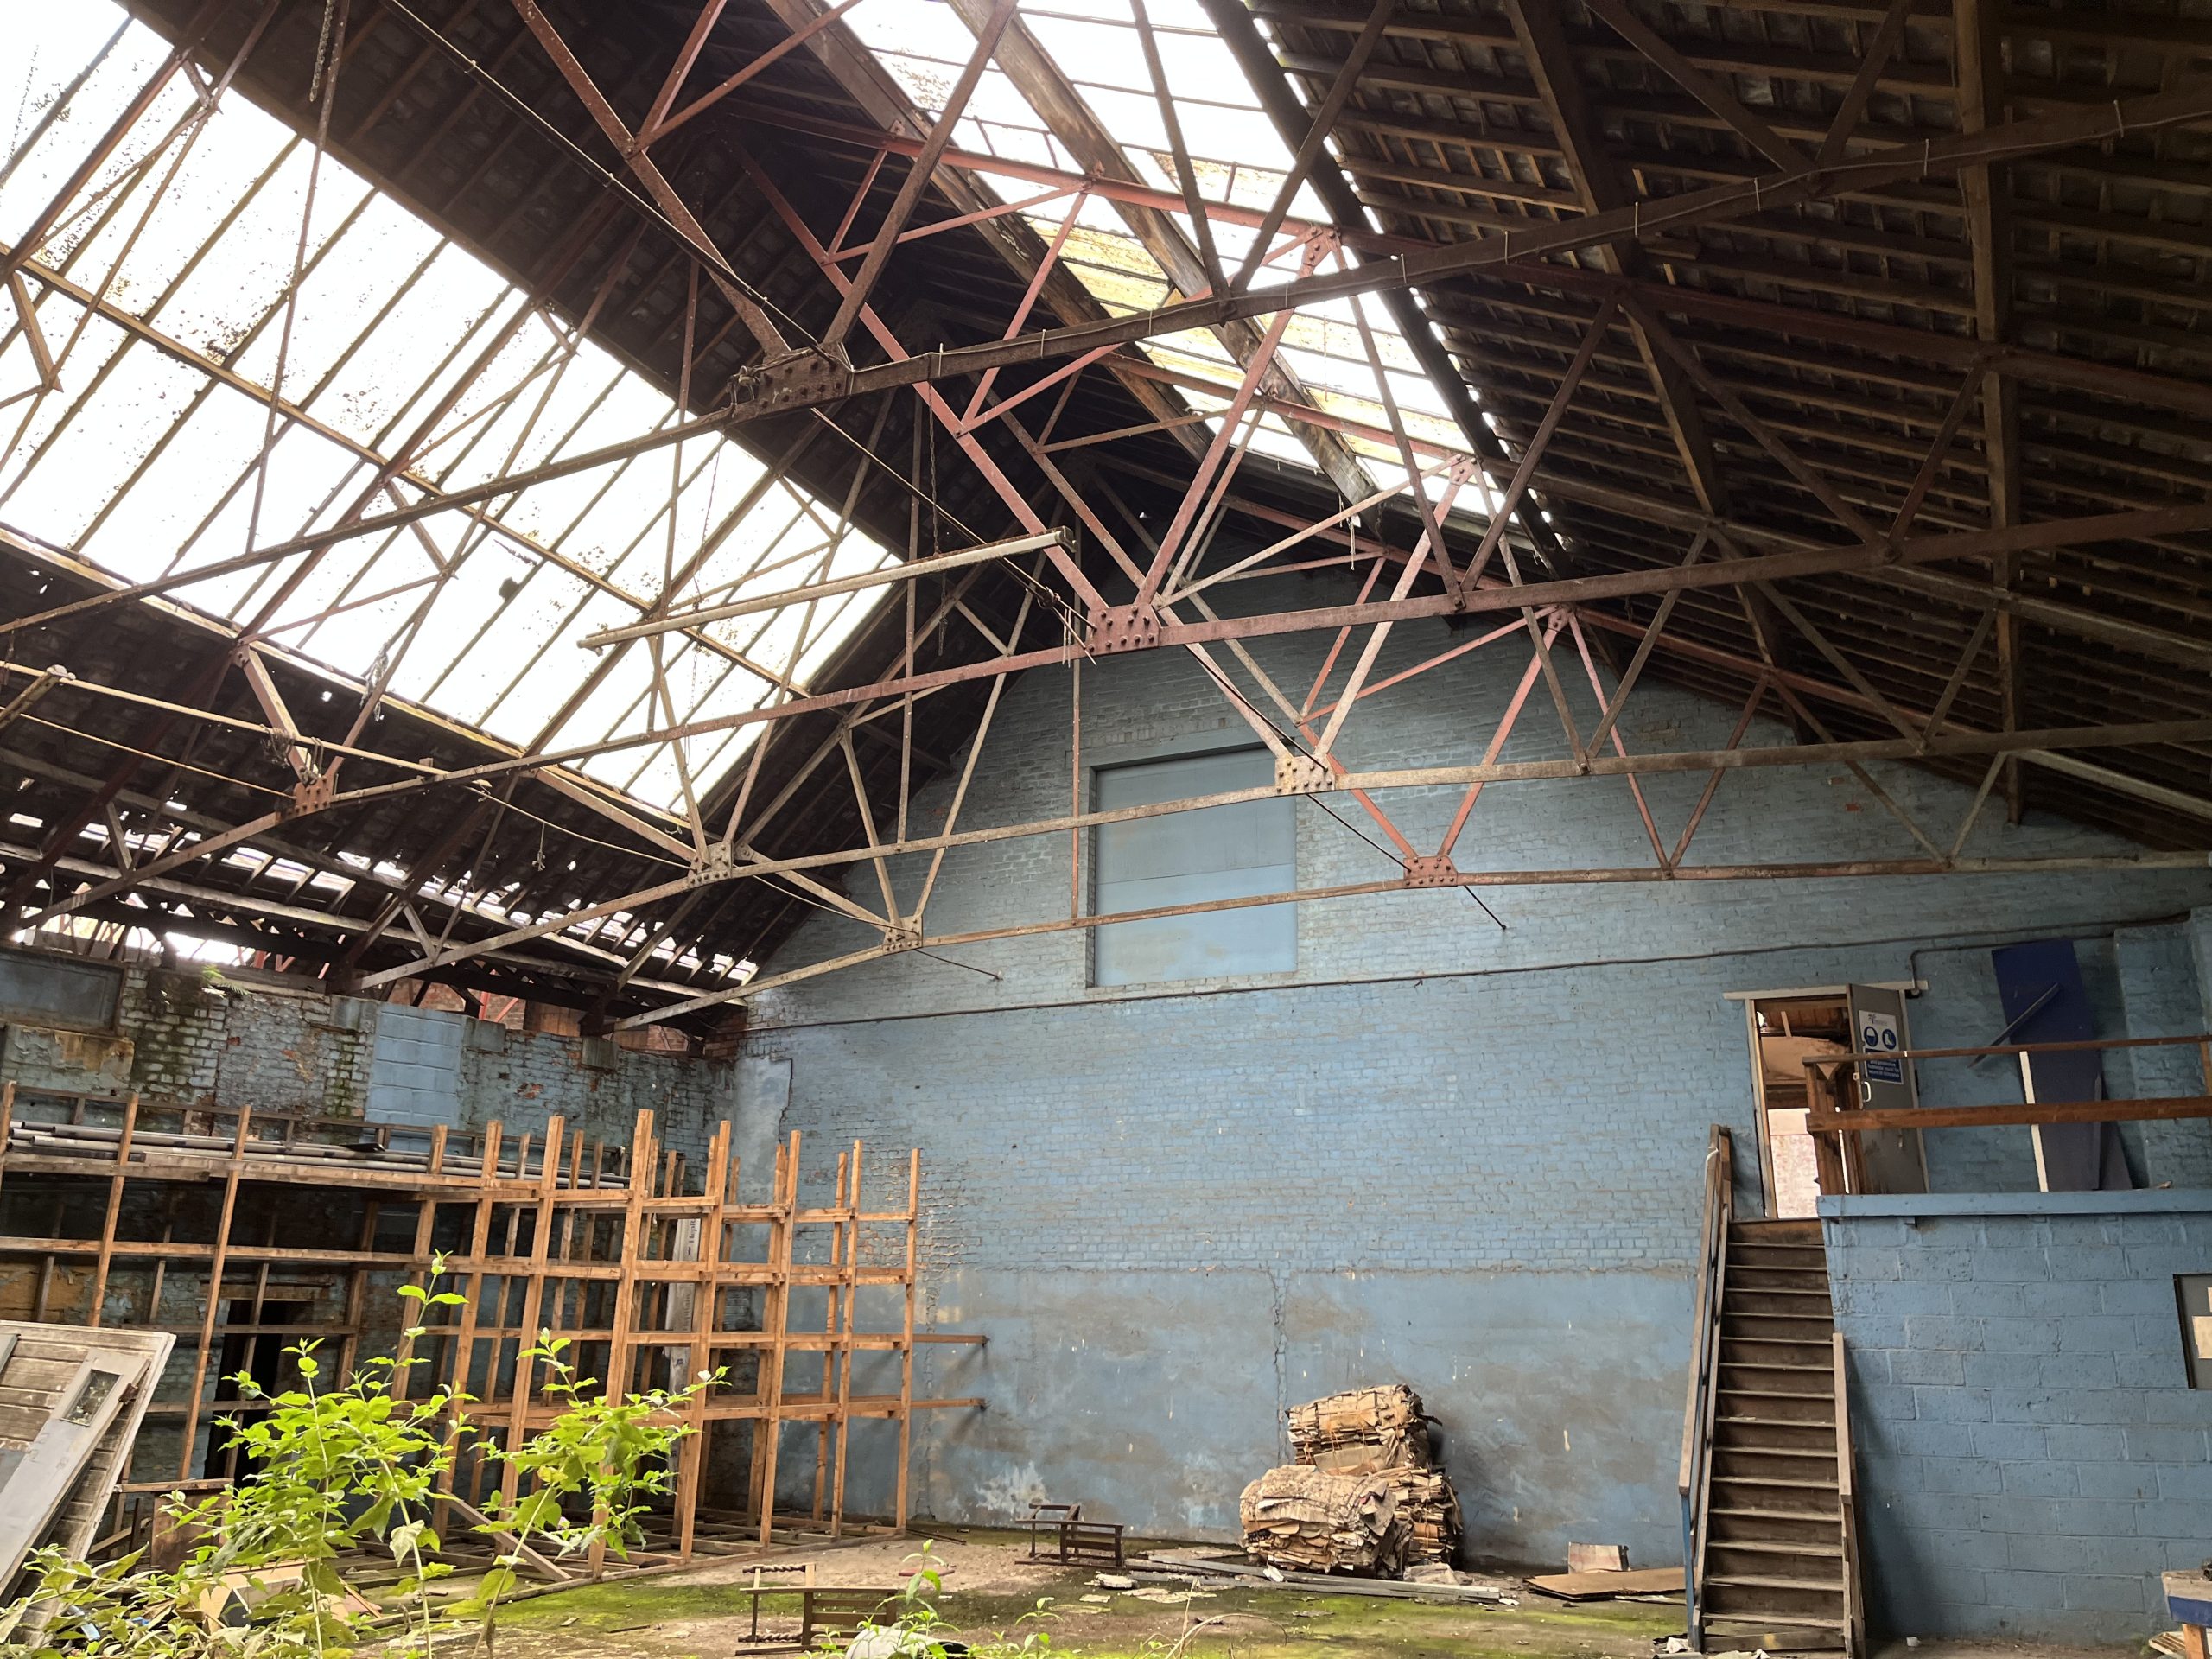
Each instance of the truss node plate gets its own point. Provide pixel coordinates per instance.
(1123, 628)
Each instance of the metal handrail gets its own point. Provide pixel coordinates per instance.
(1692, 1478)
(1854, 1616)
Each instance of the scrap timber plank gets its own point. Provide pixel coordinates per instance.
(1596, 1586)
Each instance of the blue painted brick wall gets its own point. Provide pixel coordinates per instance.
(2031, 1455)
(1433, 1151)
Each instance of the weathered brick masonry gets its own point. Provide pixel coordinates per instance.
(279, 1045)
(1436, 1151)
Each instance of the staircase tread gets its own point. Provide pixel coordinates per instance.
(1786, 1485)
(1826, 1517)
(1764, 1581)
(1771, 1365)
(1772, 1422)
(1776, 1342)
(1750, 1623)
(1823, 1453)
(1770, 1290)
(1775, 1547)
(1826, 1321)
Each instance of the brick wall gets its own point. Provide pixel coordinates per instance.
(2032, 1455)
(280, 1045)
(1435, 1150)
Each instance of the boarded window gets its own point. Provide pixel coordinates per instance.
(36, 989)
(1185, 858)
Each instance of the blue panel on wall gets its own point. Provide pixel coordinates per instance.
(41, 989)
(2045, 1002)
(1222, 852)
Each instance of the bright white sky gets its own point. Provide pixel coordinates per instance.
(144, 464)
(1237, 154)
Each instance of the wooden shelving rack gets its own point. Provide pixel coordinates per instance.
(192, 1214)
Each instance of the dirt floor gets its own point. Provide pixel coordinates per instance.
(990, 1593)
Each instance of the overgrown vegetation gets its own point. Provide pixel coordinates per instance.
(343, 1473)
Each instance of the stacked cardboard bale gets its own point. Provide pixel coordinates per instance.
(1300, 1519)
(1382, 1433)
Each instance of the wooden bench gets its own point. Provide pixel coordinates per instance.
(1074, 1539)
(1098, 1542)
(825, 1613)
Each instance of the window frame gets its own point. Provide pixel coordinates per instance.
(1190, 747)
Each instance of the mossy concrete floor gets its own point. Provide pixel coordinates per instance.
(989, 1589)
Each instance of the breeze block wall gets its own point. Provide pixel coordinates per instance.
(2032, 1455)
(1439, 1151)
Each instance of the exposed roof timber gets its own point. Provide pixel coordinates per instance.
(1842, 325)
(1284, 110)
(857, 72)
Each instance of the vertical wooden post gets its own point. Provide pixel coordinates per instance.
(464, 1341)
(426, 1219)
(640, 1166)
(825, 1425)
(777, 1323)
(217, 1264)
(7, 1120)
(533, 1301)
(691, 1453)
(357, 1290)
(114, 1208)
(907, 1337)
(841, 1355)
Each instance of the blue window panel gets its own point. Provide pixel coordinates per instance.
(1221, 852)
(41, 990)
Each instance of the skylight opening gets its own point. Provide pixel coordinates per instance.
(173, 275)
(1236, 158)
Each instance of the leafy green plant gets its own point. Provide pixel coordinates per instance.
(582, 1479)
(359, 1467)
(917, 1630)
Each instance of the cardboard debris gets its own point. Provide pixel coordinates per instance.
(1380, 1428)
(1308, 1519)
(1597, 1558)
(1383, 1432)
(1599, 1587)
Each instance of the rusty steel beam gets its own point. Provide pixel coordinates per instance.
(757, 321)
(917, 176)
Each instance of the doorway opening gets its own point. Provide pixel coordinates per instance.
(1786, 1032)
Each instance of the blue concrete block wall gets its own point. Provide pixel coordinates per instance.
(1435, 1151)
(2031, 1453)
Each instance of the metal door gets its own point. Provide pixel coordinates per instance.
(1890, 1161)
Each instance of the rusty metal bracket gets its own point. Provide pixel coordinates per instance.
(718, 865)
(1123, 627)
(901, 935)
(1298, 774)
(314, 794)
(1435, 870)
(797, 381)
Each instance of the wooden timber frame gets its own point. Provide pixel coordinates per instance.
(652, 1270)
(1836, 1122)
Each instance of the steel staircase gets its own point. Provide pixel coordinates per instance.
(1769, 1516)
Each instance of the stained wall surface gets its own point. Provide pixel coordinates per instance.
(281, 1044)
(2033, 1456)
(1438, 1151)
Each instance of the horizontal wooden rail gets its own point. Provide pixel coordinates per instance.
(2200, 1040)
(1818, 1121)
